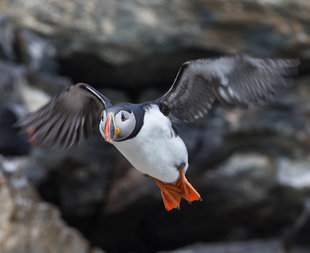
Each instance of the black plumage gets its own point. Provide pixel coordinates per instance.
(238, 80)
(67, 118)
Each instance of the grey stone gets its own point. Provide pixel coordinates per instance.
(117, 31)
(27, 224)
(254, 246)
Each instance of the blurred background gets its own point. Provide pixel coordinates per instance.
(251, 167)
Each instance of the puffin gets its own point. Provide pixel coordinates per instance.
(146, 133)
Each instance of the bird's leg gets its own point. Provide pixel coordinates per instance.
(170, 193)
(189, 193)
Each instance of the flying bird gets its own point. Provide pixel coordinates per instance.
(145, 133)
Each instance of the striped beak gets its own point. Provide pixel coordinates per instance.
(110, 129)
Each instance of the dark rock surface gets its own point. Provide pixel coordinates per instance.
(250, 166)
(12, 142)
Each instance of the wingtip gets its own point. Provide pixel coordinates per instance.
(295, 61)
(292, 67)
(17, 125)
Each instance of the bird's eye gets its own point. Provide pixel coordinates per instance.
(123, 117)
(101, 116)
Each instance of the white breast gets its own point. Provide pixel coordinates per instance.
(155, 151)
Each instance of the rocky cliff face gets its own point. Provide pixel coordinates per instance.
(251, 167)
(28, 224)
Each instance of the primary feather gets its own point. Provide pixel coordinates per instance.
(238, 80)
(67, 118)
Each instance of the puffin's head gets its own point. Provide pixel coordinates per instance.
(120, 122)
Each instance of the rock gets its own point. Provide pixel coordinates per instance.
(11, 78)
(289, 173)
(36, 52)
(11, 141)
(49, 83)
(119, 31)
(33, 97)
(254, 246)
(85, 172)
(135, 186)
(7, 39)
(29, 225)
(118, 40)
(116, 96)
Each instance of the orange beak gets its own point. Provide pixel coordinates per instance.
(110, 129)
(108, 134)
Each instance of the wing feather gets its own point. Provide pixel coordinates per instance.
(238, 80)
(67, 118)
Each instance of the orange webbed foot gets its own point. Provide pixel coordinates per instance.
(171, 195)
(189, 193)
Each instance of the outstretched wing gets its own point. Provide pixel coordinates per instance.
(67, 118)
(238, 80)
